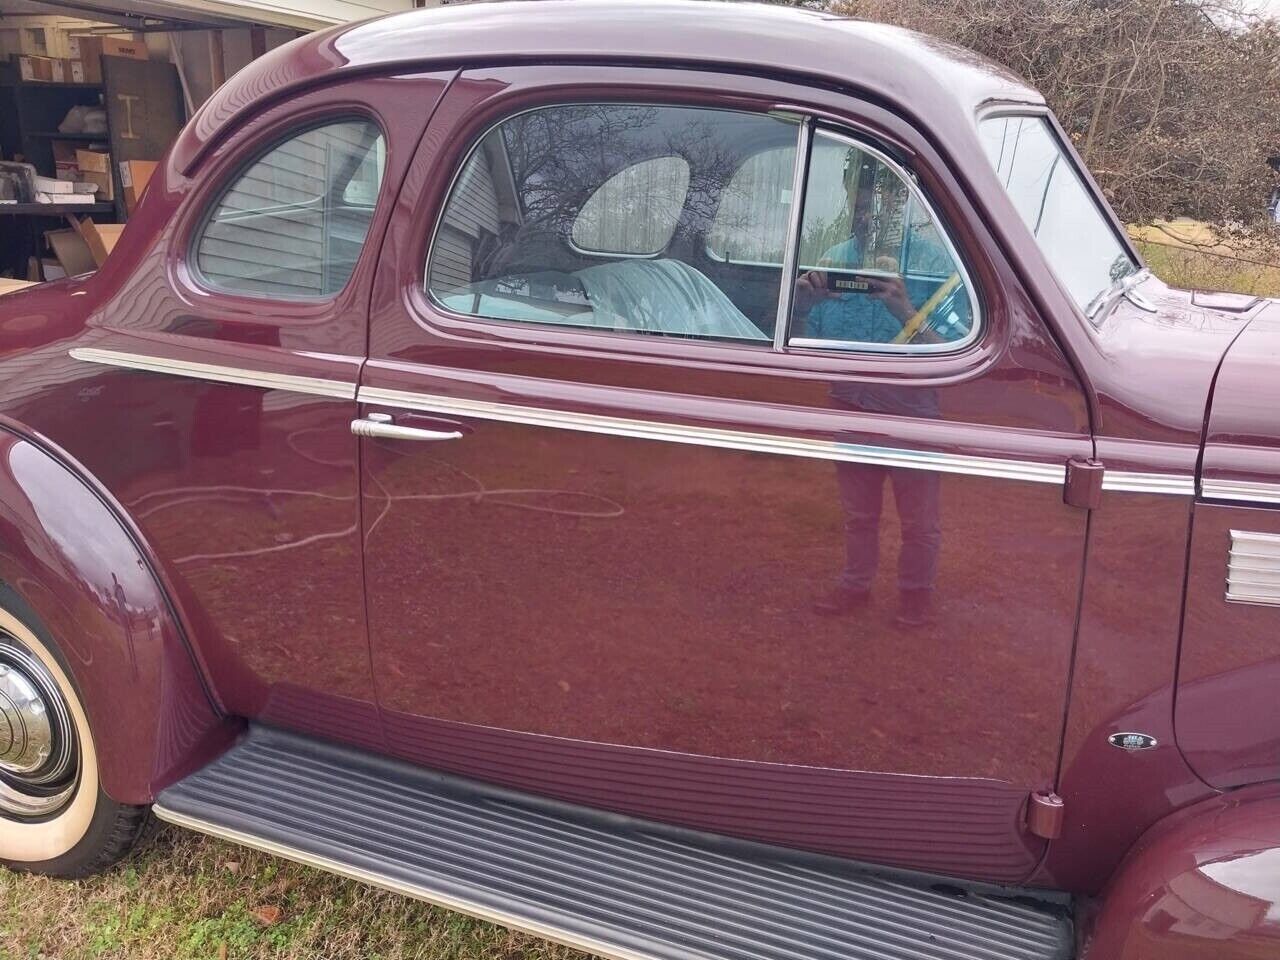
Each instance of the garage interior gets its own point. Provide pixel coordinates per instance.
(92, 92)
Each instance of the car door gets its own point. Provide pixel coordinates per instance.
(646, 532)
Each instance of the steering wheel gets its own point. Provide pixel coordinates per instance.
(944, 297)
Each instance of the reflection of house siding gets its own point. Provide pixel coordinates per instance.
(472, 213)
(284, 252)
(299, 14)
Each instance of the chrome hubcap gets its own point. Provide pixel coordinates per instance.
(38, 755)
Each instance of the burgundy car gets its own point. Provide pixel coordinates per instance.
(688, 480)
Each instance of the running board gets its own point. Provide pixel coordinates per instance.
(608, 885)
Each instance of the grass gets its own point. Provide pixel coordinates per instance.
(1189, 254)
(187, 897)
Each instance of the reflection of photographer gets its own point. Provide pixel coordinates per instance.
(860, 292)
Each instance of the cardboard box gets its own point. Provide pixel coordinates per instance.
(72, 252)
(86, 59)
(134, 175)
(133, 48)
(36, 69)
(95, 168)
(100, 238)
(7, 285)
(65, 166)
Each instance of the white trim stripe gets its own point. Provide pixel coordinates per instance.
(216, 372)
(1122, 481)
(1240, 490)
(725, 439)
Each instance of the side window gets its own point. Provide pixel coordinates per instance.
(617, 217)
(294, 222)
(874, 269)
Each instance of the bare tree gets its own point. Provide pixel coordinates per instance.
(1174, 104)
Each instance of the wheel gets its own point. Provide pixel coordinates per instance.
(54, 817)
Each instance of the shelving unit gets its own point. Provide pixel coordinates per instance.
(31, 112)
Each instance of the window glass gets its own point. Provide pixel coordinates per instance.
(293, 224)
(605, 216)
(873, 270)
(1052, 200)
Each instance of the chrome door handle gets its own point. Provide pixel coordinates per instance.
(380, 425)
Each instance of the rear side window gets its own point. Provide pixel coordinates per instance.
(599, 215)
(293, 223)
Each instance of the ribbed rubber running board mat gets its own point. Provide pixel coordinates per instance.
(608, 885)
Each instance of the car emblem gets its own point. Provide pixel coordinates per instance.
(1133, 741)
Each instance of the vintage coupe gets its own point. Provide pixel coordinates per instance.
(471, 474)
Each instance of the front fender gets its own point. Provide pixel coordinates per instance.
(67, 561)
(1204, 884)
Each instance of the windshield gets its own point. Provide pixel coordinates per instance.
(1074, 235)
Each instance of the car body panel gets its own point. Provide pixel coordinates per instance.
(1201, 884)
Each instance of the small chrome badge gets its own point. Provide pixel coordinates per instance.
(1133, 741)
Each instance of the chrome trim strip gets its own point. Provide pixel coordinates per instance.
(718, 437)
(791, 252)
(1243, 490)
(1123, 481)
(217, 373)
(416, 891)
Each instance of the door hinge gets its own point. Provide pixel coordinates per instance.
(1045, 812)
(1084, 483)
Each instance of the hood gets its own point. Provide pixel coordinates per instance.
(1160, 348)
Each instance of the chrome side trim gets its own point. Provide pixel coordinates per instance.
(1122, 481)
(217, 373)
(1253, 568)
(416, 891)
(1243, 490)
(726, 439)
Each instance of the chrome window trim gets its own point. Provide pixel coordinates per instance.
(900, 349)
(995, 467)
(1241, 491)
(795, 222)
(218, 373)
(1123, 481)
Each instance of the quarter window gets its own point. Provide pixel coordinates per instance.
(874, 270)
(294, 222)
(598, 215)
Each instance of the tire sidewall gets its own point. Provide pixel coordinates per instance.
(61, 843)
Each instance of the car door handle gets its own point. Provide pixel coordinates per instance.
(380, 425)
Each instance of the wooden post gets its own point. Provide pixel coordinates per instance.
(217, 65)
(257, 41)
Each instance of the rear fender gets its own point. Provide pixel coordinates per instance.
(1203, 884)
(72, 571)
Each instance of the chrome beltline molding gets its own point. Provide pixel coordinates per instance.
(717, 437)
(417, 891)
(216, 372)
(1122, 481)
(1243, 490)
(961, 464)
